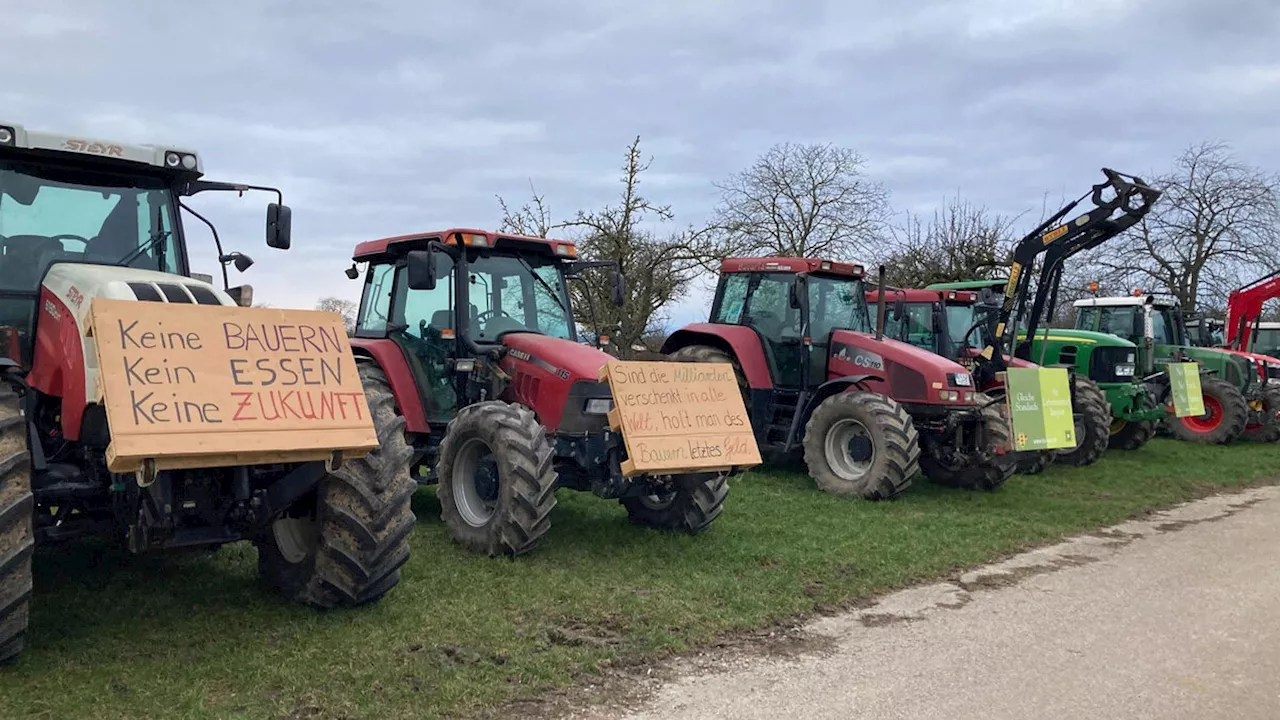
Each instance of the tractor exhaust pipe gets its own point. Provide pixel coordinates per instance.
(880, 305)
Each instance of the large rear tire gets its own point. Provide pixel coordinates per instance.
(695, 502)
(1131, 435)
(861, 444)
(1269, 429)
(988, 474)
(1092, 423)
(345, 545)
(17, 538)
(497, 483)
(1226, 413)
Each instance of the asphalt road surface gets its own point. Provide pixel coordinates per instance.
(1174, 617)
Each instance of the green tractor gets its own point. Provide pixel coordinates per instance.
(1109, 361)
(1238, 402)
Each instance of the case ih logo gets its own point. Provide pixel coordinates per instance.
(75, 296)
(520, 355)
(93, 148)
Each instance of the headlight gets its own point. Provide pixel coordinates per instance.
(1124, 370)
(598, 406)
(960, 379)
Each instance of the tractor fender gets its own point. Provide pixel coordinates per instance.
(837, 386)
(744, 344)
(390, 358)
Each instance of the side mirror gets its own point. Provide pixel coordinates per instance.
(618, 288)
(279, 226)
(242, 295)
(352, 273)
(899, 308)
(422, 270)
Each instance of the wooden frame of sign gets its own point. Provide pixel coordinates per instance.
(678, 418)
(189, 386)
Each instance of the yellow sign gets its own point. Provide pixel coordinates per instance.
(680, 417)
(1054, 234)
(208, 386)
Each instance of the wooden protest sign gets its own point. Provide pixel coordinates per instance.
(679, 417)
(208, 386)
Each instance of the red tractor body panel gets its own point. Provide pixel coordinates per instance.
(794, 265)
(57, 365)
(374, 249)
(543, 369)
(403, 386)
(900, 370)
(741, 342)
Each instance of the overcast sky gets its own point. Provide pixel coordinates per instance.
(376, 118)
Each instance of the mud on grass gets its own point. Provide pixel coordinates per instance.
(193, 636)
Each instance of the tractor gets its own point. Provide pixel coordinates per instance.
(473, 334)
(819, 378)
(1010, 329)
(1239, 402)
(1109, 361)
(936, 320)
(83, 219)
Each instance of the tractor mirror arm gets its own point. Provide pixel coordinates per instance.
(279, 216)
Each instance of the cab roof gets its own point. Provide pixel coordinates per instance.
(916, 295)
(15, 138)
(790, 264)
(1124, 301)
(399, 244)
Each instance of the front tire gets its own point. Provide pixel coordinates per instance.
(1226, 413)
(861, 444)
(1092, 423)
(1131, 435)
(345, 545)
(693, 503)
(17, 537)
(1269, 429)
(497, 483)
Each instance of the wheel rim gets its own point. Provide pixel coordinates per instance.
(850, 450)
(296, 537)
(1207, 422)
(1118, 425)
(476, 481)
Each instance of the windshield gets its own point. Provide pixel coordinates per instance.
(914, 327)
(50, 215)
(1268, 342)
(1162, 327)
(960, 318)
(510, 293)
(837, 304)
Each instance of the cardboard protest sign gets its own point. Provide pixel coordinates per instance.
(680, 417)
(206, 386)
(1040, 408)
(1184, 385)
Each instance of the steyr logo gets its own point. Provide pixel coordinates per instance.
(93, 148)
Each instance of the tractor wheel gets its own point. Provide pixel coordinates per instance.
(1126, 435)
(1033, 463)
(1092, 423)
(497, 483)
(861, 444)
(17, 537)
(691, 506)
(1269, 429)
(708, 354)
(986, 475)
(345, 544)
(1224, 418)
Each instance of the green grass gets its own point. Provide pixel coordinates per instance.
(192, 636)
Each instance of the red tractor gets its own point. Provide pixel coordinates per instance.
(868, 412)
(473, 334)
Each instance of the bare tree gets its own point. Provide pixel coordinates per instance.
(1216, 226)
(346, 308)
(961, 242)
(656, 268)
(799, 201)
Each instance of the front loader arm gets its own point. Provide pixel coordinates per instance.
(1244, 308)
(1058, 240)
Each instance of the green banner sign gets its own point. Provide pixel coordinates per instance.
(1040, 408)
(1184, 382)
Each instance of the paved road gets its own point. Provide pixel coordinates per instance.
(1175, 617)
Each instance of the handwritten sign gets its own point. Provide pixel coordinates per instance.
(1040, 408)
(1184, 385)
(680, 417)
(207, 386)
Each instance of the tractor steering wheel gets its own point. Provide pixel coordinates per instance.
(69, 236)
(487, 313)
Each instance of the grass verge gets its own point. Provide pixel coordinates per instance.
(192, 636)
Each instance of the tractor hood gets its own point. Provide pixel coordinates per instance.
(900, 370)
(1096, 339)
(559, 380)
